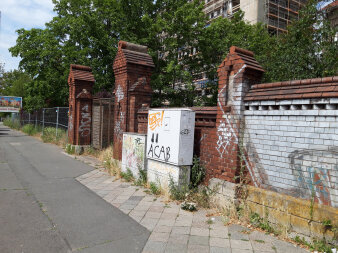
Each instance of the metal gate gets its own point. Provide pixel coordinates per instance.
(103, 122)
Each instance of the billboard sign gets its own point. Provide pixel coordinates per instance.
(10, 104)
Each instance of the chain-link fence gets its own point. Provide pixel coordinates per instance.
(47, 117)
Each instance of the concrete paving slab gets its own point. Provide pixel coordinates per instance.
(220, 250)
(199, 240)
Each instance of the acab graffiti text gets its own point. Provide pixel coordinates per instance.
(163, 153)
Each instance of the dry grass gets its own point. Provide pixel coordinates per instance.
(110, 164)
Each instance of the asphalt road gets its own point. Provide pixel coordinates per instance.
(44, 209)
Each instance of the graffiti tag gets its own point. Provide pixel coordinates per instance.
(185, 132)
(70, 122)
(118, 126)
(224, 138)
(138, 141)
(84, 128)
(159, 152)
(119, 94)
(155, 120)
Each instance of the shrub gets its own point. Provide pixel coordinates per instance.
(30, 129)
(12, 123)
(50, 135)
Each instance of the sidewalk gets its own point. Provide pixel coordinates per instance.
(175, 230)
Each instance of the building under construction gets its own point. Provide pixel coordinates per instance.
(277, 14)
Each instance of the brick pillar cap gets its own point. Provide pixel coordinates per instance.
(80, 67)
(235, 50)
(132, 47)
(238, 57)
(81, 73)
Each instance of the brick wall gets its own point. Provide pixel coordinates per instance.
(291, 138)
(285, 133)
(133, 67)
(80, 83)
(289, 131)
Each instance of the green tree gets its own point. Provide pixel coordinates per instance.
(79, 34)
(308, 50)
(41, 58)
(173, 40)
(223, 33)
(13, 83)
(179, 40)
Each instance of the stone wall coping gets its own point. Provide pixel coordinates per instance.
(297, 89)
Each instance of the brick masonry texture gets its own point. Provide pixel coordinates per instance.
(286, 133)
(288, 143)
(80, 83)
(133, 67)
(294, 154)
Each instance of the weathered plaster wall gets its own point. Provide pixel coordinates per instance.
(134, 153)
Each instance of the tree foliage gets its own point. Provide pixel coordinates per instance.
(308, 50)
(13, 83)
(174, 36)
(180, 41)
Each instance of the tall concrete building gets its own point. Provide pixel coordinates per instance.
(277, 14)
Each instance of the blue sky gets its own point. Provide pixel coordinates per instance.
(16, 14)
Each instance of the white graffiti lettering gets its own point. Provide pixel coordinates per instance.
(70, 122)
(84, 127)
(225, 137)
(118, 125)
(119, 94)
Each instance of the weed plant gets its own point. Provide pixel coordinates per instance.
(316, 244)
(142, 177)
(51, 135)
(195, 191)
(70, 149)
(154, 188)
(30, 129)
(109, 163)
(128, 175)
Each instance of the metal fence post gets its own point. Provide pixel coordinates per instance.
(57, 121)
(43, 119)
(36, 119)
(29, 117)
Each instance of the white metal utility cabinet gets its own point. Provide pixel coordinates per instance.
(170, 142)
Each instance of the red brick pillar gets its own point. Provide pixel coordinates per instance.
(236, 74)
(133, 67)
(80, 83)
